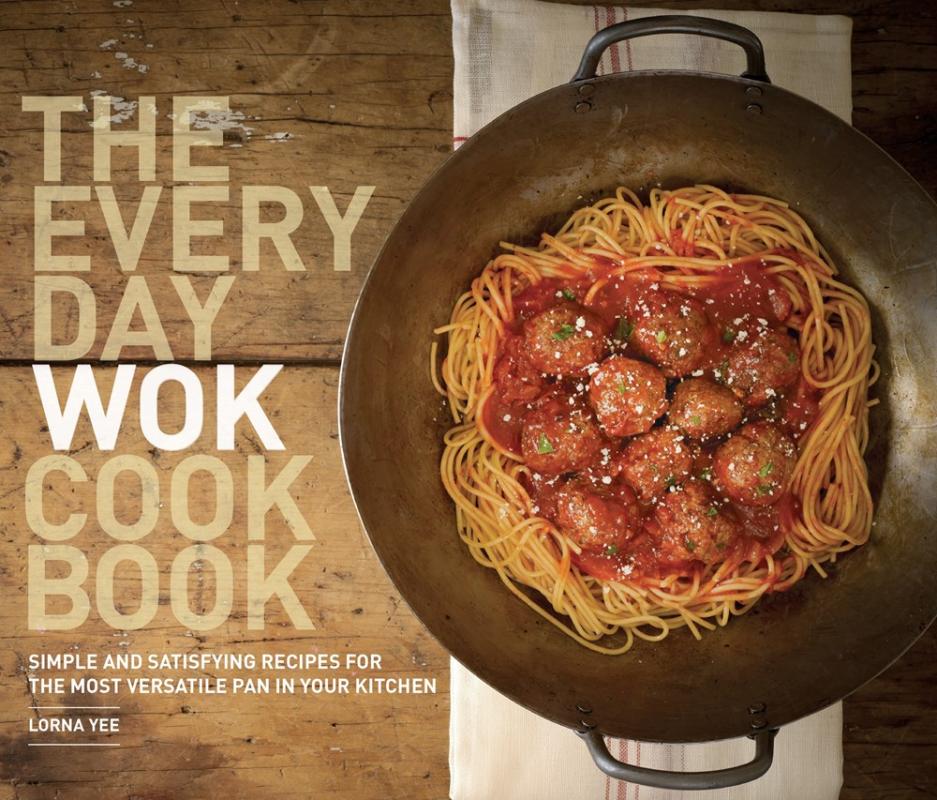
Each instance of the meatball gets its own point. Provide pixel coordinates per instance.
(673, 331)
(753, 467)
(564, 339)
(691, 525)
(627, 395)
(598, 518)
(517, 380)
(762, 364)
(558, 437)
(703, 409)
(654, 462)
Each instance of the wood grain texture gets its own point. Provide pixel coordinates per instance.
(365, 91)
(363, 746)
(362, 89)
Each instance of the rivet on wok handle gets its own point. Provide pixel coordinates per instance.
(662, 779)
(583, 106)
(675, 23)
(757, 710)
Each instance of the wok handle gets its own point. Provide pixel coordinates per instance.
(675, 23)
(662, 779)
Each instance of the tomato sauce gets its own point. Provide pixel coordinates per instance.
(681, 246)
(503, 423)
(639, 563)
(741, 290)
(800, 408)
(539, 297)
(745, 288)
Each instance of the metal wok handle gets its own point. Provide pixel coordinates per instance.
(667, 23)
(661, 779)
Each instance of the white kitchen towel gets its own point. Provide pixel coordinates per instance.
(500, 751)
(506, 51)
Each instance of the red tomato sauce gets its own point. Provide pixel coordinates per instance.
(503, 423)
(638, 563)
(742, 290)
(745, 288)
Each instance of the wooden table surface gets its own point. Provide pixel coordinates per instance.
(364, 90)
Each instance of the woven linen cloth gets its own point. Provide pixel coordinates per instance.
(506, 51)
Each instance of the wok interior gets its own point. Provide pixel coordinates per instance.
(527, 171)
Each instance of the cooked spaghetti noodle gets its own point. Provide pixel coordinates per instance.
(683, 243)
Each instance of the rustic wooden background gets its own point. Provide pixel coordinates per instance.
(364, 90)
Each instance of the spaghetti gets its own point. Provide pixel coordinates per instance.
(700, 334)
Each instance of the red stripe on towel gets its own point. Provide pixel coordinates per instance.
(616, 58)
(597, 26)
(624, 11)
(608, 780)
(637, 758)
(623, 756)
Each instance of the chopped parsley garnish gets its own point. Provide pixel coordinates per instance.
(696, 419)
(624, 330)
(720, 545)
(661, 336)
(792, 357)
(728, 335)
(763, 489)
(671, 480)
(722, 373)
(611, 550)
(706, 474)
(543, 445)
(689, 544)
(765, 471)
(569, 294)
(712, 511)
(621, 387)
(564, 332)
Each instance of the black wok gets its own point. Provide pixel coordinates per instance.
(797, 652)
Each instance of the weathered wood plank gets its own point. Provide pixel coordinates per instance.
(373, 746)
(362, 91)
(890, 730)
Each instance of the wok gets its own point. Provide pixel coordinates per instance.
(797, 652)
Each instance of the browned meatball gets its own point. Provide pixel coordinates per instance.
(598, 518)
(654, 462)
(564, 339)
(703, 409)
(753, 466)
(558, 437)
(763, 363)
(627, 395)
(673, 331)
(691, 525)
(517, 380)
